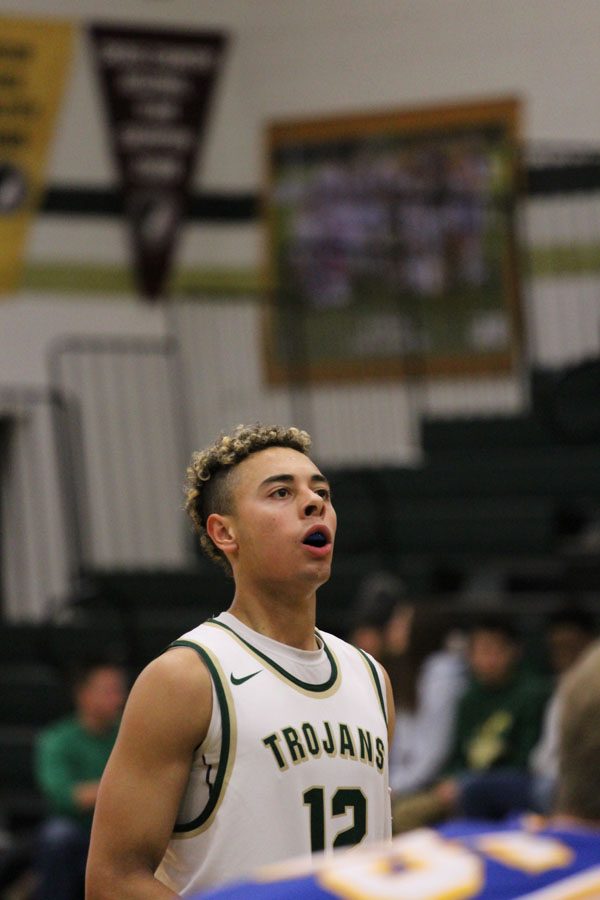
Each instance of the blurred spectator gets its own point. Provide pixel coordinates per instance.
(428, 677)
(377, 597)
(569, 632)
(70, 759)
(498, 723)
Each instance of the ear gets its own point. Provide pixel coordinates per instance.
(221, 531)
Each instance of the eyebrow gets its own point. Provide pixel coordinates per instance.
(315, 479)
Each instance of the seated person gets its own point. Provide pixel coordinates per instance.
(498, 723)
(569, 632)
(529, 857)
(428, 675)
(70, 759)
(378, 595)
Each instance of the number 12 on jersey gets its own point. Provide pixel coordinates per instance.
(344, 799)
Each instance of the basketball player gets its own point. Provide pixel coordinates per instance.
(255, 737)
(553, 859)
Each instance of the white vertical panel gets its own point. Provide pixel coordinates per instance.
(131, 456)
(164, 491)
(563, 309)
(221, 346)
(364, 424)
(50, 527)
(565, 317)
(34, 551)
(473, 396)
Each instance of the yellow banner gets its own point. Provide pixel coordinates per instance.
(34, 57)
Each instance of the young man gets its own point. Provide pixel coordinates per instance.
(255, 737)
(70, 758)
(548, 859)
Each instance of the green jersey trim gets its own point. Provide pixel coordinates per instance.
(202, 821)
(303, 685)
(377, 682)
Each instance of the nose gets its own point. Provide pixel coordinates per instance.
(314, 504)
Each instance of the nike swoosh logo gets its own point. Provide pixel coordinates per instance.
(244, 678)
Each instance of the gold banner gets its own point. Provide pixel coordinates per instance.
(34, 57)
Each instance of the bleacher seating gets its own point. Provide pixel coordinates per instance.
(33, 694)
(65, 645)
(21, 804)
(513, 489)
(19, 642)
(163, 596)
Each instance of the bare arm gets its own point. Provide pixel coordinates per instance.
(166, 717)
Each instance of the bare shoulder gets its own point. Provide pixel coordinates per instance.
(178, 667)
(173, 691)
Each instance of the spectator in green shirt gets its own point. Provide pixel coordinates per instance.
(498, 723)
(69, 761)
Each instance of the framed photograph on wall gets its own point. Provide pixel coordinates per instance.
(392, 244)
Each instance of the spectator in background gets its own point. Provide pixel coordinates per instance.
(428, 675)
(498, 723)
(378, 595)
(569, 632)
(428, 678)
(69, 761)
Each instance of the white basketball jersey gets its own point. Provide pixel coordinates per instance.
(289, 766)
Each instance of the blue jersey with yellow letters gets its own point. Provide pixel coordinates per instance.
(460, 861)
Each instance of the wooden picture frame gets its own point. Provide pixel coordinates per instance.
(392, 245)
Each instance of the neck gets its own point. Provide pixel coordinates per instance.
(287, 618)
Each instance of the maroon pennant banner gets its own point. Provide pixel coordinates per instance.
(157, 86)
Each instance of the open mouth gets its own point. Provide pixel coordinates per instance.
(318, 537)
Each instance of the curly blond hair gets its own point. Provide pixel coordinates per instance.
(208, 483)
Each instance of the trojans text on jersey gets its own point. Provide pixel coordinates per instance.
(307, 741)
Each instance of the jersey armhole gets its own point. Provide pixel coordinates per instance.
(377, 677)
(228, 742)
